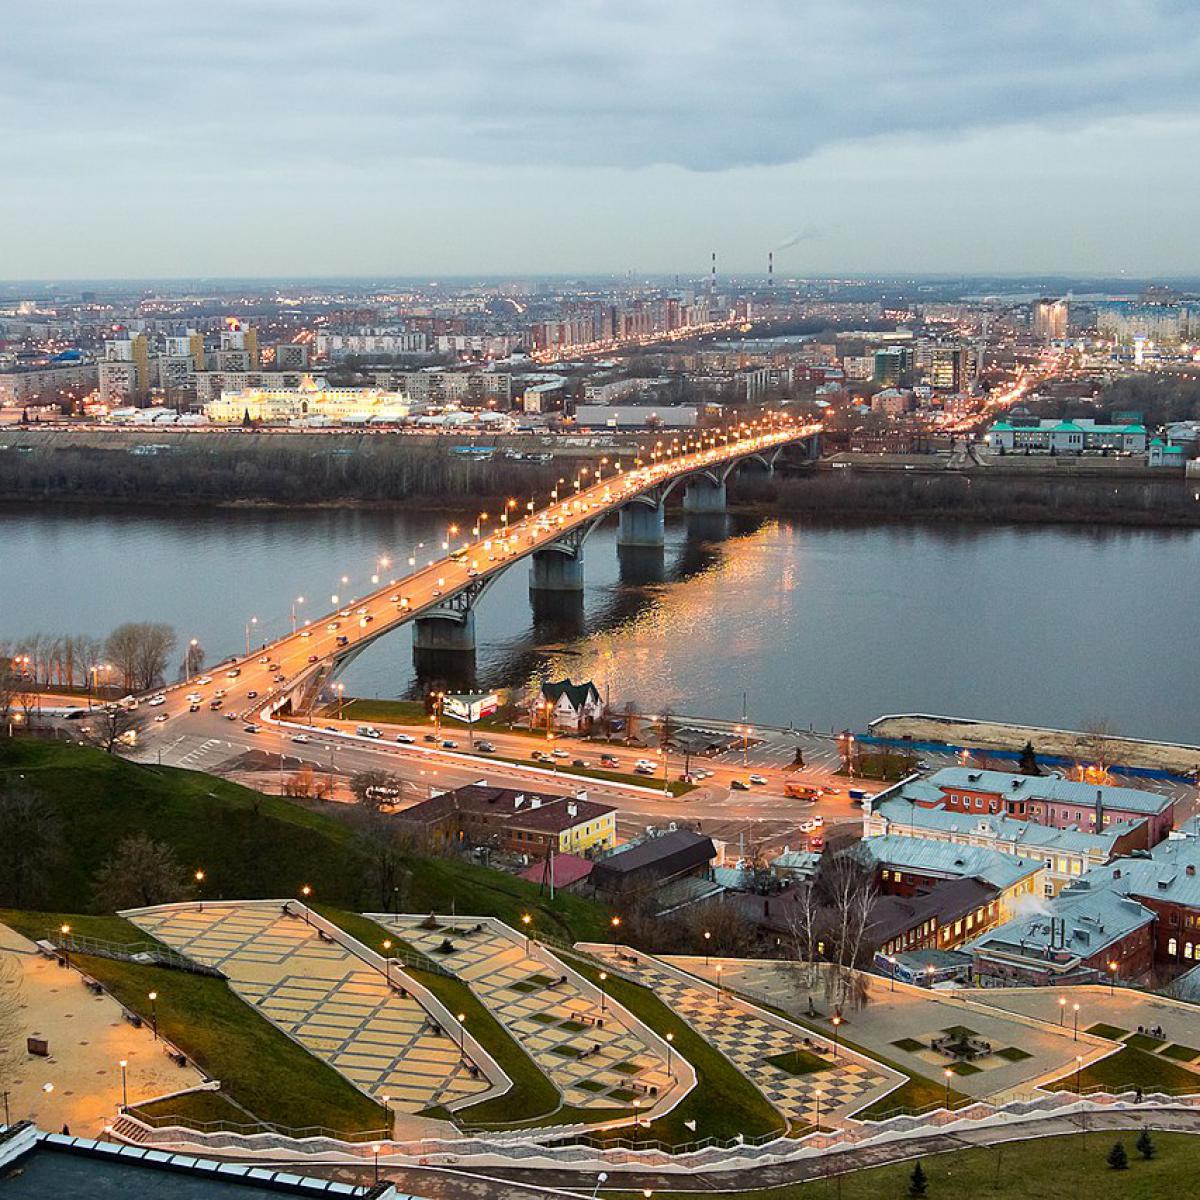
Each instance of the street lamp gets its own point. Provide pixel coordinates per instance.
(306, 891)
(817, 1097)
(252, 621)
(153, 997)
(720, 994)
(1112, 978)
(124, 1084)
(65, 931)
(1062, 1010)
(341, 691)
(298, 600)
(707, 940)
(947, 1072)
(526, 920)
(670, 1040)
(199, 878)
(1078, 1073)
(1076, 1022)
(462, 1035)
(892, 960)
(837, 1020)
(603, 993)
(375, 1152)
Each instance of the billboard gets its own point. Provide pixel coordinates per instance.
(470, 708)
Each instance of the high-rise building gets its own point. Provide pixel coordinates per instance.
(949, 366)
(892, 364)
(125, 370)
(1049, 320)
(291, 356)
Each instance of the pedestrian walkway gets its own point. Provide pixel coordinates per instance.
(336, 1006)
(798, 1074)
(586, 1045)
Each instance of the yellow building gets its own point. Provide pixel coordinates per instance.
(313, 401)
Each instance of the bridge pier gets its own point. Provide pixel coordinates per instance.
(702, 495)
(445, 633)
(641, 525)
(640, 565)
(556, 571)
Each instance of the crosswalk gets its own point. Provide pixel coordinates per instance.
(201, 752)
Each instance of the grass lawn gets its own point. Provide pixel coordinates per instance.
(1013, 1054)
(35, 925)
(194, 1108)
(960, 1031)
(1145, 1041)
(799, 1062)
(885, 767)
(909, 1044)
(675, 786)
(1036, 1169)
(724, 1103)
(1114, 1033)
(258, 1066)
(965, 1068)
(1182, 1053)
(1132, 1068)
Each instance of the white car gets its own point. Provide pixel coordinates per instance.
(405, 739)
(645, 764)
(559, 753)
(161, 717)
(812, 824)
(204, 679)
(265, 659)
(301, 739)
(193, 697)
(305, 633)
(155, 701)
(758, 779)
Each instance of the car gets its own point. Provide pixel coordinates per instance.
(643, 770)
(215, 704)
(485, 747)
(609, 760)
(362, 610)
(816, 843)
(367, 619)
(394, 600)
(580, 762)
(812, 824)
(231, 716)
(233, 672)
(687, 777)
(739, 785)
(647, 763)
(759, 780)
(430, 737)
(702, 773)
(204, 679)
(251, 728)
(312, 658)
(219, 694)
(251, 695)
(272, 666)
(332, 627)
(405, 739)
(161, 717)
(343, 640)
(193, 707)
(266, 658)
(541, 756)
(155, 701)
(437, 591)
(559, 752)
(301, 739)
(368, 731)
(279, 678)
(192, 697)
(449, 744)
(306, 633)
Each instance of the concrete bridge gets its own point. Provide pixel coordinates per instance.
(440, 598)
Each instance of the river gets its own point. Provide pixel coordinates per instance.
(828, 625)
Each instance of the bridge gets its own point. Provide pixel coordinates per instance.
(440, 597)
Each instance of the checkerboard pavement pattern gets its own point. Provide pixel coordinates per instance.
(592, 1065)
(749, 1041)
(338, 1009)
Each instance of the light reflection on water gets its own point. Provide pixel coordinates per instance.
(814, 623)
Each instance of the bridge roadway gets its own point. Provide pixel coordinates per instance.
(444, 591)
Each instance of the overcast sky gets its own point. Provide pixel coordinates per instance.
(269, 137)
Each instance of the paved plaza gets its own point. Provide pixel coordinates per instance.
(332, 1003)
(79, 1083)
(588, 1048)
(900, 1024)
(755, 1044)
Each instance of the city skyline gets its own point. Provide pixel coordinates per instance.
(611, 138)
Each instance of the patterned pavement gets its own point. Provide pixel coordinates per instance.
(338, 1008)
(593, 1057)
(750, 1041)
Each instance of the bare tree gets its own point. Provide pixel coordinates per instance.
(112, 727)
(1098, 749)
(140, 651)
(31, 847)
(8, 689)
(375, 789)
(140, 872)
(193, 659)
(12, 1022)
(845, 889)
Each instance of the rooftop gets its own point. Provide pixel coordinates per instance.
(949, 859)
(1012, 786)
(517, 809)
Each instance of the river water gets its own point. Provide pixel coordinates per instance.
(828, 625)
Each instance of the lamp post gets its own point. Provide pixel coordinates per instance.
(1076, 1022)
(199, 878)
(153, 997)
(252, 621)
(298, 600)
(601, 1178)
(817, 1097)
(615, 922)
(707, 940)
(124, 1083)
(1078, 1073)
(1062, 1010)
(670, 1039)
(375, 1152)
(892, 960)
(306, 891)
(341, 691)
(1112, 978)
(837, 1020)
(947, 1072)
(65, 931)
(462, 1035)
(526, 920)
(603, 992)
(720, 994)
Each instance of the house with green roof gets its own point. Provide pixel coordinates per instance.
(1083, 434)
(572, 705)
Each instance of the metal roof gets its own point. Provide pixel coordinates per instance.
(1013, 786)
(949, 859)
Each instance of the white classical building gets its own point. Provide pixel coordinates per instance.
(312, 401)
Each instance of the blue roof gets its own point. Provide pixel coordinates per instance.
(1012, 786)
(949, 859)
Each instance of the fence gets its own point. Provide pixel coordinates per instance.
(142, 952)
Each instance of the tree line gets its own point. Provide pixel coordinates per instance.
(134, 657)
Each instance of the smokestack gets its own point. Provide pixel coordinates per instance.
(770, 268)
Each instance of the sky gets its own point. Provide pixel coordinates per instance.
(257, 138)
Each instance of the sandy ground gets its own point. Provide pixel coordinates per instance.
(1164, 756)
(87, 1039)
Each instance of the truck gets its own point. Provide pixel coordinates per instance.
(800, 791)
